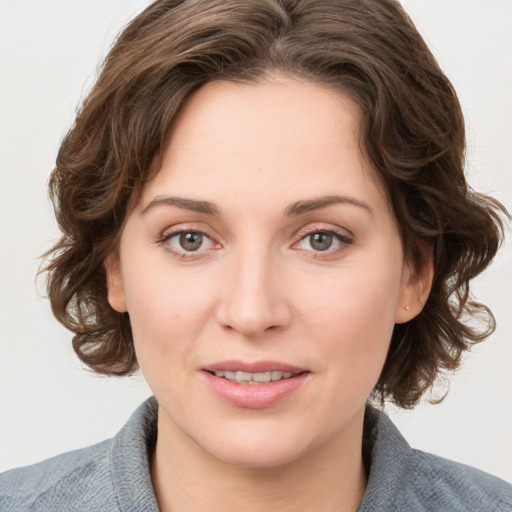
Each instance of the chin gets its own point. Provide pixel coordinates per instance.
(258, 447)
(258, 457)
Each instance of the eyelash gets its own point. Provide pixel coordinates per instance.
(165, 239)
(341, 237)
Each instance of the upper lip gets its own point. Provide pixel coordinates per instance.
(253, 367)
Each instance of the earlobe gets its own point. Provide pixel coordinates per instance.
(416, 286)
(115, 288)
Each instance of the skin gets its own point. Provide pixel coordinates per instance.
(258, 288)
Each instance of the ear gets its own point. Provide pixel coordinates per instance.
(416, 285)
(115, 288)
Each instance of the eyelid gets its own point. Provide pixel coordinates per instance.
(179, 229)
(323, 228)
(343, 236)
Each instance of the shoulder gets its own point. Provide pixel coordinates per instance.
(402, 479)
(72, 481)
(107, 477)
(447, 485)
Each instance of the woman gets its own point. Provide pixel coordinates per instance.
(263, 206)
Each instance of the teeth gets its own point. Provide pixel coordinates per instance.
(262, 377)
(253, 378)
(243, 377)
(280, 375)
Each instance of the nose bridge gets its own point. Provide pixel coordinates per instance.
(253, 301)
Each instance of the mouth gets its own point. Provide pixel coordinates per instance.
(254, 385)
(258, 378)
(254, 373)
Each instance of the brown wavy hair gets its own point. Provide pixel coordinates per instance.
(412, 131)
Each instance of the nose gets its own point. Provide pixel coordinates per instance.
(254, 299)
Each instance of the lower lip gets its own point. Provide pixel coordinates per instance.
(255, 396)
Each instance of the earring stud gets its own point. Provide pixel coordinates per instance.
(407, 308)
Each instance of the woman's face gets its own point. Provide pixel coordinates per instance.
(263, 246)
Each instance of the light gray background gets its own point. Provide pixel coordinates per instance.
(49, 54)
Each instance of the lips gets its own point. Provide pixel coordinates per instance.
(254, 385)
(253, 367)
(252, 378)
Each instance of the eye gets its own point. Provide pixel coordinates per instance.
(185, 242)
(324, 241)
(320, 241)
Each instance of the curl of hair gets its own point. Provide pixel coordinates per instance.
(412, 132)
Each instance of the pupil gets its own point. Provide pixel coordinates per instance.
(191, 241)
(321, 241)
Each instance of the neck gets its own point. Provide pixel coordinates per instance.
(331, 478)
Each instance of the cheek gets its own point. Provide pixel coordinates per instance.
(167, 313)
(353, 321)
(363, 301)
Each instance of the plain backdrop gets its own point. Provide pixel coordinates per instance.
(49, 55)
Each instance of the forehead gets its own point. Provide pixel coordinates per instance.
(282, 136)
(280, 113)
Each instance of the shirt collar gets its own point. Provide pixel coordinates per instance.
(385, 452)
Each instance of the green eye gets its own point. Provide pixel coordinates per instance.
(190, 241)
(324, 241)
(320, 241)
(187, 242)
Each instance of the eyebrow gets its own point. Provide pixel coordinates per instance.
(293, 210)
(301, 207)
(186, 204)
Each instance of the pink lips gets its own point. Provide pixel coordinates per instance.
(254, 396)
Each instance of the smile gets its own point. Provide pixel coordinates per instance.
(252, 378)
(254, 385)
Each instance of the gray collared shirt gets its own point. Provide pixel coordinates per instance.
(114, 476)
